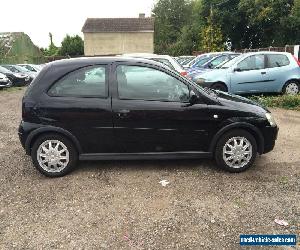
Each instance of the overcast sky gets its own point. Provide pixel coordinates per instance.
(39, 17)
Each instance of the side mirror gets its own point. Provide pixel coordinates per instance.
(237, 70)
(193, 98)
(210, 66)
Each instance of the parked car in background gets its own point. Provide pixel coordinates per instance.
(213, 63)
(31, 67)
(164, 59)
(212, 60)
(136, 109)
(184, 59)
(200, 60)
(258, 72)
(21, 70)
(4, 81)
(17, 79)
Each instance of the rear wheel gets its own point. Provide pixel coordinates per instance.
(219, 86)
(236, 151)
(291, 88)
(54, 155)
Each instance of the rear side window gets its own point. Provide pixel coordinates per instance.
(277, 61)
(84, 82)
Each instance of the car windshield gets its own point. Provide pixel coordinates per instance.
(4, 70)
(20, 69)
(201, 61)
(229, 63)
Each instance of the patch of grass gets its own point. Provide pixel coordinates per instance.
(280, 101)
(239, 203)
(284, 180)
(12, 89)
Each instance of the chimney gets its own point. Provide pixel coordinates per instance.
(142, 15)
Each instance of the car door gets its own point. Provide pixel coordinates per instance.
(151, 112)
(277, 68)
(249, 75)
(80, 103)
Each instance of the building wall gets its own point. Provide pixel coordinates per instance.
(118, 43)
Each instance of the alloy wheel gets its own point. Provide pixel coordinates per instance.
(53, 156)
(237, 152)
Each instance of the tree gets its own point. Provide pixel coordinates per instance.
(72, 46)
(52, 50)
(170, 17)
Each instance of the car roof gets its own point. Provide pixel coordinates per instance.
(106, 60)
(267, 52)
(146, 55)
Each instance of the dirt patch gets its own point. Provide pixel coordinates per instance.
(121, 205)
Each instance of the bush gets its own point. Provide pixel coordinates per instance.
(280, 101)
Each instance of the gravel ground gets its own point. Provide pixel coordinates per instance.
(121, 205)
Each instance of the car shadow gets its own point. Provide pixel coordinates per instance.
(149, 165)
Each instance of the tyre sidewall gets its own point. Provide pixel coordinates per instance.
(73, 155)
(219, 149)
(289, 82)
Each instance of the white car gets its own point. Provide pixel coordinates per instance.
(4, 81)
(165, 59)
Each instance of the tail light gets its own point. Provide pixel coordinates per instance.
(297, 61)
(183, 73)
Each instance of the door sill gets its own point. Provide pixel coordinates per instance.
(145, 156)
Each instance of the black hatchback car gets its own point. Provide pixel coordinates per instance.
(123, 108)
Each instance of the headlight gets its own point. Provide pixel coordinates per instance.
(271, 119)
(19, 75)
(200, 80)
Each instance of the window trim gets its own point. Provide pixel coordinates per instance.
(147, 66)
(105, 66)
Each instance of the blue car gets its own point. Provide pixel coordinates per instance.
(212, 63)
(259, 72)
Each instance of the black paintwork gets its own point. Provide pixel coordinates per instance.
(110, 128)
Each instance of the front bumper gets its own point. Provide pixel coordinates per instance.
(270, 136)
(5, 84)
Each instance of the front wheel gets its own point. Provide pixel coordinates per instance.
(219, 86)
(236, 151)
(54, 155)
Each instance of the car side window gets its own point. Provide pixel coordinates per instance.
(143, 83)
(255, 62)
(277, 61)
(84, 82)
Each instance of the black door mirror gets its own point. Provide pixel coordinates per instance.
(193, 98)
(237, 70)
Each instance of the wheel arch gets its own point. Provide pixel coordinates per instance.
(221, 82)
(292, 79)
(239, 125)
(32, 137)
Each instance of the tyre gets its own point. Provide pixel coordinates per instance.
(219, 86)
(54, 155)
(291, 88)
(236, 151)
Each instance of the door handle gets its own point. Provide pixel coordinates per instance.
(123, 113)
(263, 73)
